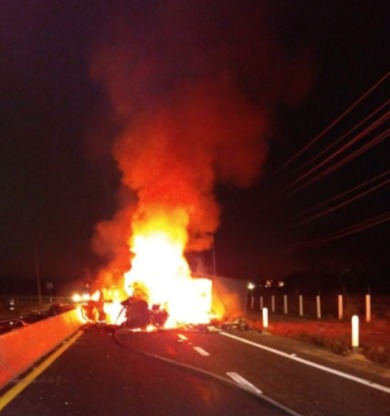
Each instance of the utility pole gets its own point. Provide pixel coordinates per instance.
(214, 258)
(37, 273)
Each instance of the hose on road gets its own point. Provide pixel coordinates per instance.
(206, 374)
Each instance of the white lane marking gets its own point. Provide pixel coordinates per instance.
(244, 383)
(182, 337)
(312, 364)
(201, 351)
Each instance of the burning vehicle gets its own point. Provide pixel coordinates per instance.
(140, 311)
(159, 290)
(220, 303)
(139, 316)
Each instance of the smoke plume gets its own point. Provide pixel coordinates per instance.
(193, 87)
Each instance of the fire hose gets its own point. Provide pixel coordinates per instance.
(260, 397)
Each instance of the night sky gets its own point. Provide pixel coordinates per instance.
(64, 98)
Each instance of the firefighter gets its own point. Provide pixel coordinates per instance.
(137, 312)
(101, 315)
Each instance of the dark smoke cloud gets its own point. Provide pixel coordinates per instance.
(193, 87)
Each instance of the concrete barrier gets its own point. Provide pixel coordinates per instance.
(21, 348)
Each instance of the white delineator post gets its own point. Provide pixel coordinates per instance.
(340, 306)
(285, 304)
(273, 303)
(261, 303)
(265, 320)
(252, 301)
(355, 332)
(368, 308)
(318, 304)
(300, 299)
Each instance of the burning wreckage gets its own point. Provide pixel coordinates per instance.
(137, 314)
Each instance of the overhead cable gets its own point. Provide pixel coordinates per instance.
(330, 126)
(352, 156)
(342, 162)
(285, 193)
(342, 194)
(369, 223)
(345, 203)
(336, 142)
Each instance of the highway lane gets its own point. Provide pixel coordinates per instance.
(308, 386)
(158, 373)
(97, 376)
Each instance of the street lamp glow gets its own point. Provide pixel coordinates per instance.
(251, 286)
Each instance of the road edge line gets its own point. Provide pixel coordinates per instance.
(10, 395)
(342, 374)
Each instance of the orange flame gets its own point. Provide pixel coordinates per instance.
(160, 273)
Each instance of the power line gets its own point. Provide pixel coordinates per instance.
(336, 121)
(283, 194)
(350, 143)
(333, 144)
(335, 235)
(350, 157)
(347, 202)
(342, 162)
(335, 155)
(340, 195)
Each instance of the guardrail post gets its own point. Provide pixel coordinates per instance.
(300, 299)
(265, 320)
(285, 304)
(318, 304)
(340, 306)
(252, 301)
(368, 308)
(355, 333)
(261, 303)
(273, 303)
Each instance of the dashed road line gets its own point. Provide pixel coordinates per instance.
(182, 337)
(201, 351)
(360, 380)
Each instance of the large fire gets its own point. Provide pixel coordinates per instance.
(184, 125)
(161, 273)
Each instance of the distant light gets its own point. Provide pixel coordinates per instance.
(76, 297)
(280, 284)
(85, 297)
(251, 286)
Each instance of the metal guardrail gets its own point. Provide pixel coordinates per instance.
(13, 302)
(14, 319)
(21, 303)
(7, 325)
(352, 304)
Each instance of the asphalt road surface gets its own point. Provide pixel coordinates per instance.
(118, 372)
